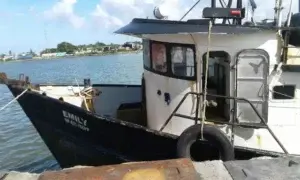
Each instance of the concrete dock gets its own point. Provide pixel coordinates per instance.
(180, 169)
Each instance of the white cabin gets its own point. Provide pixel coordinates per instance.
(239, 66)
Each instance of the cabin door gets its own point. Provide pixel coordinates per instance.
(251, 83)
(217, 80)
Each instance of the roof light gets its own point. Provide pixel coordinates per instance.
(235, 12)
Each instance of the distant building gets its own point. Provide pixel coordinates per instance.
(81, 51)
(107, 48)
(59, 54)
(7, 57)
(48, 55)
(132, 45)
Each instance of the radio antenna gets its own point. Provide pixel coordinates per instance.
(189, 10)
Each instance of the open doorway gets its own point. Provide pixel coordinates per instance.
(217, 83)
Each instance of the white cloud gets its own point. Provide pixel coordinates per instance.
(115, 13)
(64, 11)
(112, 13)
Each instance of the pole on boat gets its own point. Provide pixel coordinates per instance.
(289, 14)
(277, 13)
(239, 4)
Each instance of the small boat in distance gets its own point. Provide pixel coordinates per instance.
(210, 90)
(24, 56)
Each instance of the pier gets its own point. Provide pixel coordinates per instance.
(179, 169)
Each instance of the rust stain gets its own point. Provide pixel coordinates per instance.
(144, 174)
(178, 169)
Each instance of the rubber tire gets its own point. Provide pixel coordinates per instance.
(211, 134)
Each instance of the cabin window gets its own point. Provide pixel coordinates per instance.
(182, 59)
(284, 92)
(146, 53)
(159, 58)
(170, 59)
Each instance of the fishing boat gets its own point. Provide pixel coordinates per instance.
(212, 88)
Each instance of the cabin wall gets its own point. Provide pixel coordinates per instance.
(112, 96)
(283, 119)
(106, 104)
(157, 109)
(282, 114)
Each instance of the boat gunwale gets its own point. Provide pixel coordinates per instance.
(136, 126)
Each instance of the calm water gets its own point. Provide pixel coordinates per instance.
(21, 148)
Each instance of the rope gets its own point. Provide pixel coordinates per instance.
(16, 98)
(85, 103)
(205, 81)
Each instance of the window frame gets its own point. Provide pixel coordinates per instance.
(169, 72)
(151, 58)
(194, 60)
(147, 42)
(284, 99)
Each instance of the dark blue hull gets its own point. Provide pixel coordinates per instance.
(77, 137)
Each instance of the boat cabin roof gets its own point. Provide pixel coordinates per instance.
(140, 26)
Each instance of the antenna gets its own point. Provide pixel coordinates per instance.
(189, 10)
(157, 14)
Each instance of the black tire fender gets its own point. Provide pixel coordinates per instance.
(211, 134)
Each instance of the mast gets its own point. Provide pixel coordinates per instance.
(277, 13)
(239, 4)
(213, 5)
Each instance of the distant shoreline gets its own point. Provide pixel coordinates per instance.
(74, 56)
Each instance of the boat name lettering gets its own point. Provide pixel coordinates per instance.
(75, 121)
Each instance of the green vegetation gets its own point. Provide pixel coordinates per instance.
(98, 47)
(66, 49)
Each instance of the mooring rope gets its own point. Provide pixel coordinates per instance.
(16, 98)
(203, 117)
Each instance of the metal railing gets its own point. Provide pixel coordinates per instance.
(263, 123)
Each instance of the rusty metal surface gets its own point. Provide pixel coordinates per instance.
(178, 169)
(21, 81)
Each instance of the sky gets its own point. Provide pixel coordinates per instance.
(39, 24)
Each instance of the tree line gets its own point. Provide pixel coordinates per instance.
(70, 48)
